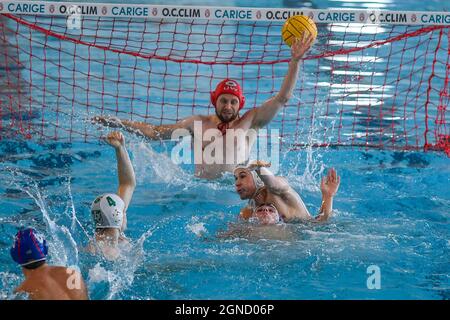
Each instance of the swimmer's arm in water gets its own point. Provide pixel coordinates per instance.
(268, 110)
(329, 186)
(149, 130)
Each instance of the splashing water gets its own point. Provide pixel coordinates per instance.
(120, 274)
(73, 215)
(313, 164)
(162, 169)
(196, 227)
(152, 167)
(8, 280)
(64, 249)
(60, 236)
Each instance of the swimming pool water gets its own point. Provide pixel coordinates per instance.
(392, 211)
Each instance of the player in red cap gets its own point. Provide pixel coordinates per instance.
(228, 99)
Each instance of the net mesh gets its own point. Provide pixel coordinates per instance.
(361, 85)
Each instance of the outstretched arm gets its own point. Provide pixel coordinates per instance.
(127, 180)
(329, 186)
(148, 130)
(268, 110)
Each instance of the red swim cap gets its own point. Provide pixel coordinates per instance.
(228, 86)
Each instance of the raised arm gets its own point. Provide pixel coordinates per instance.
(148, 130)
(267, 111)
(280, 187)
(329, 186)
(127, 180)
(275, 184)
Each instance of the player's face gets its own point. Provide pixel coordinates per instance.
(227, 107)
(244, 184)
(266, 214)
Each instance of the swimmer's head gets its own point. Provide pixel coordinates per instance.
(247, 182)
(108, 211)
(228, 99)
(266, 214)
(29, 249)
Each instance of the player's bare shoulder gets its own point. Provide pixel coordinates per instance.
(62, 271)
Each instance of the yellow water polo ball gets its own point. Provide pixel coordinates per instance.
(295, 26)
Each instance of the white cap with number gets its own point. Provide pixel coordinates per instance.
(107, 211)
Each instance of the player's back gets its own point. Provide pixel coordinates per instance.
(54, 283)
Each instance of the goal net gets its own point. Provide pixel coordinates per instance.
(373, 79)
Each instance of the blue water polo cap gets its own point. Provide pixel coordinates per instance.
(29, 247)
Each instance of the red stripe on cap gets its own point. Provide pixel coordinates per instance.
(35, 244)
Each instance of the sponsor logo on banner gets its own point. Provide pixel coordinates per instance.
(81, 10)
(24, 8)
(282, 14)
(435, 18)
(130, 11)
(233, 14)
(181, 12)
(226, 13)
(326, 16)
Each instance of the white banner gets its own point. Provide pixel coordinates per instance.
(225, 13)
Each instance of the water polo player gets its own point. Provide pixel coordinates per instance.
(228, 99)
(109, 210)
(270, 195)
(44, 282)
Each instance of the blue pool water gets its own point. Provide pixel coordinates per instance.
(392, 211)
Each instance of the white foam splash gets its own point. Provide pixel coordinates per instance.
(123, 270)
(100, 274)
(313, 164)
(154, 167)
(8, 280)
(197, 228)
(60, 253)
